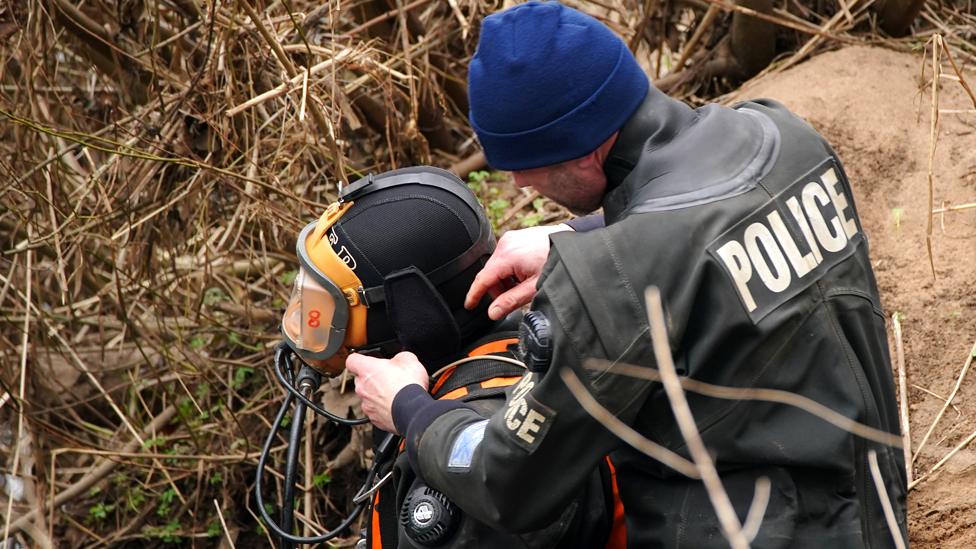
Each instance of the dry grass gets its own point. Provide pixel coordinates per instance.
(159, 158)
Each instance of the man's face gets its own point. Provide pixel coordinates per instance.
(578, 189)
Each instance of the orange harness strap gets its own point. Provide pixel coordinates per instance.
(618, 529)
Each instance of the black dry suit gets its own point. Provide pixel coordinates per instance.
(481, 380)
(745, 221)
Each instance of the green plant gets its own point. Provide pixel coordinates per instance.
(497, 209)
(534, 218)
(168, 533)
(288, 277)
(154, 442)
(896, 216)
(321, 479)
(213, 295)
(476, 180)
(135, 498)
(100, 511)
(166, 502)
(241, 374)
(235, 338)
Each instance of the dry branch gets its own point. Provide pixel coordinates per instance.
(903, 397)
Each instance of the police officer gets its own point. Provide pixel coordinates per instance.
(744, 219)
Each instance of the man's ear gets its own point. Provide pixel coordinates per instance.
(596, 158)
(588, 161)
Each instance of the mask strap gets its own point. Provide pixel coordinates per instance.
(421, 319)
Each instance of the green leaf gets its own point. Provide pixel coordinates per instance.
(896, 216)
(241, 374)
(136, 498)
(478, 176)
(155, 442)
(213, 295)
(202, 391)
(166, 502)
(499, 205)
(531, 220)
(100, 511)
(185, 408)
(169, 533)
(288, 277)
(235, 338)
(321, 479)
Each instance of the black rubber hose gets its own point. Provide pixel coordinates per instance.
(291, 472)
(259, 498)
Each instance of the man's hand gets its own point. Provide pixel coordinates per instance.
(379, 380)
(519, 255)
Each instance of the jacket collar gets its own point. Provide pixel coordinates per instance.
(670, 156)
(657, 120)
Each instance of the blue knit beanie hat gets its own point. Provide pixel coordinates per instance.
(548, 84)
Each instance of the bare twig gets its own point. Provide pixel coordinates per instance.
(960, 207)
(731, 528)
(903, 396)
(223, 525)
(695, 39)
(15, 470)
(765, 395)
(933, 139)
(624, 431)
(889, 513)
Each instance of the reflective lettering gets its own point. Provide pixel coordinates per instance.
(829, 179)
(794, 206)
(516, 409)
(517, 406)
(764, 254)
(802, 264)
(757, 234)
(737, 262)
(813, 193)
(533, 421)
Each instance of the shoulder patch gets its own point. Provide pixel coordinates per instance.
(462, 451)
(780, 249)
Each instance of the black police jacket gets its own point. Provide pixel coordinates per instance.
(745, 221)
(408, 514)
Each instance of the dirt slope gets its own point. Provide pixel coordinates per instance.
(870, 105)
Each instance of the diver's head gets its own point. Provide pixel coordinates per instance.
(386, 268)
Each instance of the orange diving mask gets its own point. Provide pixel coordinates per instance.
(325, 311)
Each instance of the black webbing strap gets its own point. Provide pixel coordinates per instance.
(477, 371)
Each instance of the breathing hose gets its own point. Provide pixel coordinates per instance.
(307, 381)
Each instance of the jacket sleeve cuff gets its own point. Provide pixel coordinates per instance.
(586, 223)
(413, 411)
